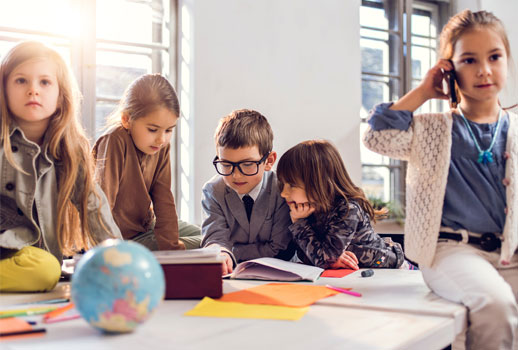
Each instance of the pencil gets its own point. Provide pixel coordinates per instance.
(28, 331)
(57, 311)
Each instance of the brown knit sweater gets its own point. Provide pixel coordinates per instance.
(138, 187)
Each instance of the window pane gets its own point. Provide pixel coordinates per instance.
(428, 42)
(116, 70)
(102, 111)
(376, 182)
(380, 56)
(373, 17)
(422, 24)
(51, 16)
(132, 21)
(374, 34)
(376, 90)
(422, 60)
(367, 156)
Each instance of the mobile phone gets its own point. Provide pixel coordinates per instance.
(450, 76)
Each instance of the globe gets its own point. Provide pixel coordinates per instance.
(117, 285)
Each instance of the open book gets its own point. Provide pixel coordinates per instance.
(271, 269)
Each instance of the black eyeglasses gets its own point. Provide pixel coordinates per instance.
(246, 167)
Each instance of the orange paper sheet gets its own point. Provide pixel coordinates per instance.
(13, 324)
(283, 294)
(337, 273)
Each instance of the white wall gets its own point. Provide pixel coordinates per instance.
(295, 61)
(507, 10)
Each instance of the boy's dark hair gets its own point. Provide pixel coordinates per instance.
(244, 128)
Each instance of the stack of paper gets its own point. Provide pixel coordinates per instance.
(278, 301)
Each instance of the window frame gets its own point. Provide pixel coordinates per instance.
(83, 50)
(440, 11)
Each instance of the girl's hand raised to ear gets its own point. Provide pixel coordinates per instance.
(300, 210)
(430, 87)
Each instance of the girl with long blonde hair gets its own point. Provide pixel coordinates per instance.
(50, 205)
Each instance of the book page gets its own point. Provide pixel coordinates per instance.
(276, 269)
(261, 272)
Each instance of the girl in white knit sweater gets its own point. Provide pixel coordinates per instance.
(462, 179)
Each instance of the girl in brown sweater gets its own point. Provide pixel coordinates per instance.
(134, 170)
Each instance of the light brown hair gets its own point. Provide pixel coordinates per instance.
(68, 145)
(244, 128)
(143, 96)
(318, 166)
(466, 21)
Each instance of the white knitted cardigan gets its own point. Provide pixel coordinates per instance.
(426, 145)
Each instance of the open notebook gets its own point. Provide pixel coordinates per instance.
(271, 269)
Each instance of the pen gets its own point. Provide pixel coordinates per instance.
(57, 311)
(345, 291)
(53, 301)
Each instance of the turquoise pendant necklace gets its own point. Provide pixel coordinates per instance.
(486, 156)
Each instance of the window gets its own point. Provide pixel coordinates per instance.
(107, 43)
(397, 50)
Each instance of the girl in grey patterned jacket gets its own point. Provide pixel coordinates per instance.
(331, 216)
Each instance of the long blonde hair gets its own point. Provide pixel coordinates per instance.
(67, 145)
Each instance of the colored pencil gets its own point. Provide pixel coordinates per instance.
(27, 312)
(58, 311)
(345, 291)
(63, 318)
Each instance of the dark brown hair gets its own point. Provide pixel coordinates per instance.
(317, 165)
(244, 128)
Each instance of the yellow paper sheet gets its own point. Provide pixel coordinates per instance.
(211, 308)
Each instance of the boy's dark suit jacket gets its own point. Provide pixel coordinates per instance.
(225, 222)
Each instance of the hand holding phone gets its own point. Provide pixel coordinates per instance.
(450, 80)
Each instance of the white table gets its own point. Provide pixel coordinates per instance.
(397, 311)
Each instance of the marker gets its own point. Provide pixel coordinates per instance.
(345, 291)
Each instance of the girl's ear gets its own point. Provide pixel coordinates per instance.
(270, 161)
(125, 120)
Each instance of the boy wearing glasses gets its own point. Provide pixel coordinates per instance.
(243, 212)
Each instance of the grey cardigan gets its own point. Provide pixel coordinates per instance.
(225, 222)
(28, 203)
